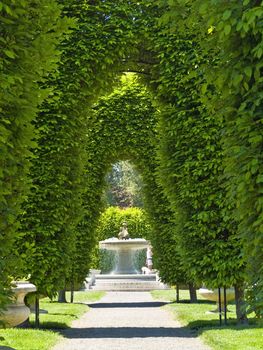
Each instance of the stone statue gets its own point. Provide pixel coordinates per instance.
(123, 234)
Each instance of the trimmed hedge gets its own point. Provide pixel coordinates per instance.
(30, 34)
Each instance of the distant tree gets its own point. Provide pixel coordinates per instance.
(124, 186)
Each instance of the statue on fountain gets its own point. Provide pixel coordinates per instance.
(123, 234)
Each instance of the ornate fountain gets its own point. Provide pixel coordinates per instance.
(124, 275)
(125, 252)
(125, 249)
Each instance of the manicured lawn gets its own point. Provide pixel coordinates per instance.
(194, 316)
(59, 316)
(87, 296)
(28, 339)
(170, 295)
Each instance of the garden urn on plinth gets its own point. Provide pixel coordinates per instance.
(17, 312)
(212, 295)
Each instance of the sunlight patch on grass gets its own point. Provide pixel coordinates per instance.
(234, 338)
(170, 295)
(28, 339)
(86, 296)
(60, 315)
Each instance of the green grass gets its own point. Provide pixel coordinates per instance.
(234, 338)
(87, 296)
(195, 317)
(59, 316)
(28, 339)
(170, 295)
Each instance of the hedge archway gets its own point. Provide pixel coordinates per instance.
(66, 185)
(106, 38)
(123, 126)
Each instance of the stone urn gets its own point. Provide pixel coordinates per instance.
(18, 312)
(212, 295)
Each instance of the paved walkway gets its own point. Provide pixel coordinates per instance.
(128, 321)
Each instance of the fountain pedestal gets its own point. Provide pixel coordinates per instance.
(125, 277)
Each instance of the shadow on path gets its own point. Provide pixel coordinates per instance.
(128, 305)
(128, 332)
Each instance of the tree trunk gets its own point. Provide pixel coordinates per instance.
(192, 292)
(240, 305)
(72, 291)
(62, 296)
(177, 293)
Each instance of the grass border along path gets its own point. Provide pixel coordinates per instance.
(194, 316)
(59, 316)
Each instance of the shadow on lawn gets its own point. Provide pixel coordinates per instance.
(203, 325)
(61, 314)
(49, 325)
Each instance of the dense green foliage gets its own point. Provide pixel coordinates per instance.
(191, 165)
(239, 39)
(124, 127)
(113, 217)
(28, 45)
(231, 33)
(52, 223)
(203, 195)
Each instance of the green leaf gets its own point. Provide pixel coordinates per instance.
(227, 29)
(248, 71)
(227, 14)
(9, 53)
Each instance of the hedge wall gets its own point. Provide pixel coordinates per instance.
(30, 33)
(229, 37)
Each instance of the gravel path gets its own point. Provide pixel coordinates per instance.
(128, 321)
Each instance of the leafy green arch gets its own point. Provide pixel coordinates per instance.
(123, 126)
(66, 185)
(106, 39)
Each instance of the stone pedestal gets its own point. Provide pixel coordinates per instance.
(18, 312)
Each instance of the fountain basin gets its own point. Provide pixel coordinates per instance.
(125, 250)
